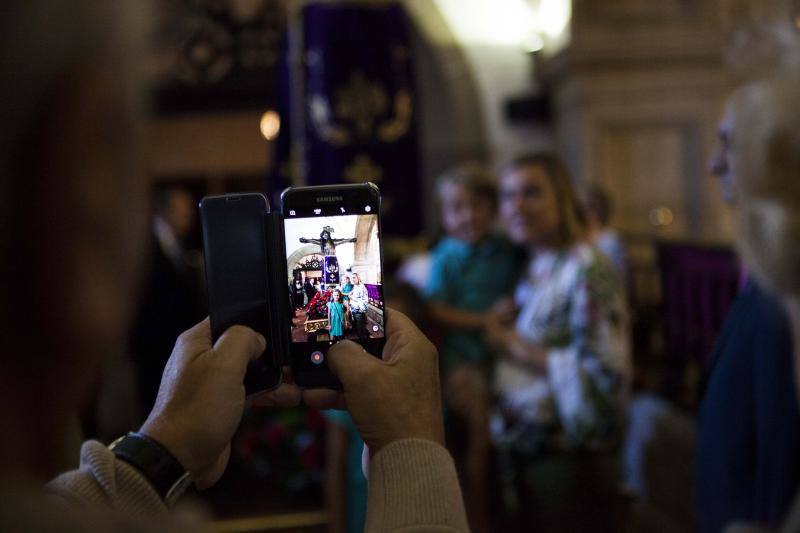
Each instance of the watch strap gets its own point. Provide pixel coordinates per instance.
(164, 472)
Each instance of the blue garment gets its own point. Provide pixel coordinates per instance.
(336, 326)
(356, 482)
(748, 447)
(471, 278)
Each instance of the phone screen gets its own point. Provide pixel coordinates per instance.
(333, 265)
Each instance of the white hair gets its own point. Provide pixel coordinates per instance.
(766, 151)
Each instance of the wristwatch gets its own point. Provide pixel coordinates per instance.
(155, 462)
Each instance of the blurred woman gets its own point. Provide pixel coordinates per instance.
(563, 376)
(359, 299)
(766, 155)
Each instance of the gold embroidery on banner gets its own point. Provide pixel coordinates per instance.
(321, 118)
(394, 129)
(361, 103)
(363, 169)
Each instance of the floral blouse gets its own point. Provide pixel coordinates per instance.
(573, 305)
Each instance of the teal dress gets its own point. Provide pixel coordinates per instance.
(337, 318)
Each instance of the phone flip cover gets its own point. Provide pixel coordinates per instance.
(246, 307)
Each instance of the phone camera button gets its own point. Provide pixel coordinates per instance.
(317, 358)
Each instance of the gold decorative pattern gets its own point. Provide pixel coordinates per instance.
(356, 117)
(363, 169)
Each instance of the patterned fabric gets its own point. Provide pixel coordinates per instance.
(330, 265)
(572, 304)
(471, 278)
(610, 243)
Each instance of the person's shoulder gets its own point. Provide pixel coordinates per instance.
(499, 244)
(585, 254)
(448, 247)
(591, 262)
(766, 308)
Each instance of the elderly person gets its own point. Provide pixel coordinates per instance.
(72, 205)
(747, 461)
(766, 155)
(359, 303)
(564, 375)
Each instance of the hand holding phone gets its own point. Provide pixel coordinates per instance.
(305, 278)
(200, 400)
(390, 399)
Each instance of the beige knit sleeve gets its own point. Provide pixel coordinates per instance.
(105, 481)
(413, 487)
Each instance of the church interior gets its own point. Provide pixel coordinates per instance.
(627, 102)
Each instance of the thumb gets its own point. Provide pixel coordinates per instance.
(240, 345)
(349, 362)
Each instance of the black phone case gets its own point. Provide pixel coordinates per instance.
(264, 313)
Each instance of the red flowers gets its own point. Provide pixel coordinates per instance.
(317, 308)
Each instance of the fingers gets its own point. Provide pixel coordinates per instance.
(200, 333)
(404, 338)
(350, 362)
(324, 399)
(397, 322)
(241, 344)
(287, 395)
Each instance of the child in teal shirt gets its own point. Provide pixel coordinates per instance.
(473, 273)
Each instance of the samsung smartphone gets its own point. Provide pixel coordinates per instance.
(334, 261)
(234, 239)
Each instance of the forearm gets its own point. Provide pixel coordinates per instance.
(452, 317)
(413, 487)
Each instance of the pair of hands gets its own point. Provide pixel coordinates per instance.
(202, 398)
(499, 321)
(501, 333)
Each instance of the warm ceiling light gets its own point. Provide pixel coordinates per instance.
(270, 125)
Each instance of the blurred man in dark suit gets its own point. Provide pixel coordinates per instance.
(171, 298)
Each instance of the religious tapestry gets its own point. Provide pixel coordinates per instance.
(351, 105)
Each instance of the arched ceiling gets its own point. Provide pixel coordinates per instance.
(492, 40)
